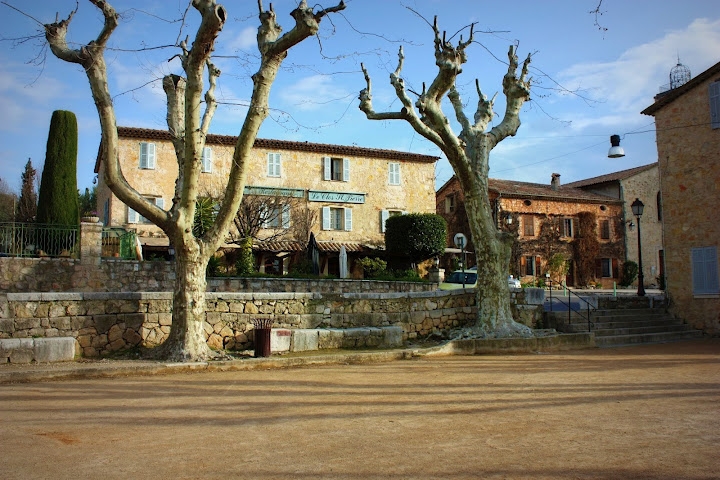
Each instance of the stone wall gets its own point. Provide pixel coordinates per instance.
(106, 322)
(689, 178)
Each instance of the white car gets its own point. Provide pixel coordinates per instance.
(513, 282)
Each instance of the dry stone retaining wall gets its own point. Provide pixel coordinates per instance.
(106, 322)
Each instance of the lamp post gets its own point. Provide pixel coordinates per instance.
(637, 210)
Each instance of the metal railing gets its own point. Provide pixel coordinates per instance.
(39, 240)
(118, 243)
(588, 306)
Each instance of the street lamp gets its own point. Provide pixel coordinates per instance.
(616, 151)
(637, 210)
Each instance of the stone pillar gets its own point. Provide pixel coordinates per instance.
(90, 243)
(436, 275)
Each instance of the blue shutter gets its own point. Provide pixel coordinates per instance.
(346, 170)
(207, 160)
(715, 104)
(133, 216)
(325, 218)
(327, 168)
(143, 155)
(286, 217)
(348, 219)
(384, 215)
(160, 203)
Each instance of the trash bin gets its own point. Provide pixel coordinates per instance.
(263, 328)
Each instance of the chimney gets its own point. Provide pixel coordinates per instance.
(555, 181)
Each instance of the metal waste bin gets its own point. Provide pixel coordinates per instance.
(263, 328)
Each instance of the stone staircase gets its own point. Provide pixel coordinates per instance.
(614, 327)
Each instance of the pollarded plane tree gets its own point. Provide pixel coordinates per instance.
(189, 114)
(469, 154)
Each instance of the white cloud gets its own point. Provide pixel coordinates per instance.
(245, 40)
(312, 93)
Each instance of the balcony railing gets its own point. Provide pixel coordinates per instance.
(118, 243)
(39, 240)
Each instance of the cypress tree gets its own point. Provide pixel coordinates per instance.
(27, 205)
(58, 198)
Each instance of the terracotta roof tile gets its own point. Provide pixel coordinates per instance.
(611, 177)
(229, 140)
(514, 189)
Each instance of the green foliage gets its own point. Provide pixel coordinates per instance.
(87, 202)
(587, 247)
(58, 198)
(558, 267)
(205, 214)
(245, 264)
(213, 267)
(7, 202)
(302, 268)
(629, 273)
(418, 236)
(373, 267)
(27, 204)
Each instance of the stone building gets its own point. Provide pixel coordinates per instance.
(687, 122)
(642, 183)
(343, 193)
(548, 219)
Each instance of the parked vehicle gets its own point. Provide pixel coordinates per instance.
(455, 280)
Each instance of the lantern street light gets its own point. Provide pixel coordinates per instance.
(637, 210)
(616, 151)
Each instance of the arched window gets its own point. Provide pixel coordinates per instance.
(659, 206)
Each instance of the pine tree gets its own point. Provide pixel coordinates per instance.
(27, 205)
(58, 199)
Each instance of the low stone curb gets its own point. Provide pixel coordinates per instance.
(124, 368)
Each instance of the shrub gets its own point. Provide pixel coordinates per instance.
(418, 236)
(629, 273)
(373, 267)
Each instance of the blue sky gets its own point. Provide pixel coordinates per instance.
(614, 74)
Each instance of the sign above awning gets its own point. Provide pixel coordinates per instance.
(336, 197)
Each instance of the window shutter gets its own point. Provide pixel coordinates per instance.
(160, 202)
(264, 214)
(698, 271)
(207, 160)
(715, 105)
(346, 170)
(143, 155)
(133, 216)
(384, 215)
(326, 218)
(348, 219)
(711, 268)
(598, 268)
(150, 149)
(615, 269)
(523, 261)
(537, 265)
(327, 168)
(286, 217)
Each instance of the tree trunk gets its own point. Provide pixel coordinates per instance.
(187, 337)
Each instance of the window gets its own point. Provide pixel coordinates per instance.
(605, 229)
(528, 222)
(276, 216)
(394, 173)
(336, 169)
(705, 271)
(607, 268)
(385, 214)
(106, 212)
(206, 160)
(450, 203)
(715, 105)
(530, 265)
(568, 227)
(135, 217)
(336, 218)
(658, 200)
(273, 165)
(147, 156)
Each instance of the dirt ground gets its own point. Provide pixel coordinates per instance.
(645, 412)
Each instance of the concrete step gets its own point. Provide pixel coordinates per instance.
(664, 321)
(636, 339)
(621, 312)
(609, 332)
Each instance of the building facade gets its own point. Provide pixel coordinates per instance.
(547, 220)
(342, 194)
(687, 122)
(641, 183)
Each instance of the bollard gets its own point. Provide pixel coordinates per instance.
(262, 332)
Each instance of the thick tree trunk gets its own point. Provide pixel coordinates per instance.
(186, 340)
